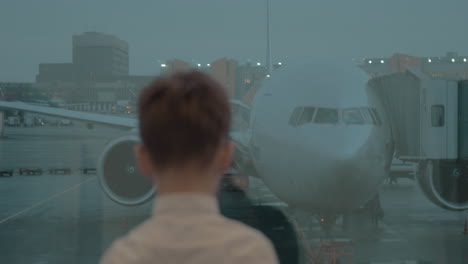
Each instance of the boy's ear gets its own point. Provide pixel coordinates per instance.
(226, 155)
(143, 160)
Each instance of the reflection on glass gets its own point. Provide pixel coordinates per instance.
(306, 116)
(326, 116)
(376, 117)
(353, 117)
(295, 116)
(53, 209)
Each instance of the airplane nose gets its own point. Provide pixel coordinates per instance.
(341, 184)
(339, 171)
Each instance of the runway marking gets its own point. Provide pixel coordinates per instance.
(46, 200)
(274, 204)
(346, 239)
(388, 229)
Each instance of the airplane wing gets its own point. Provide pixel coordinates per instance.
(241, 139)
(108, 120)
(242, 156)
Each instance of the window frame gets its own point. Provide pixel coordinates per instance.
(366, 114)
(299, 121)
(296, 113)
(356, 110)
(376, 116)
(337, 111)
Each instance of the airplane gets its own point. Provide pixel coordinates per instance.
(315, 138)
(318, 138)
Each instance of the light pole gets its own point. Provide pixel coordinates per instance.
(268, 48)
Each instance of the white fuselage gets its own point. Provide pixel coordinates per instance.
(318, 166)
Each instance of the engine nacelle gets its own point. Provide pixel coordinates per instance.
(118, 173)
(445, 183)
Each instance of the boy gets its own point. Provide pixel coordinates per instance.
(184, 125)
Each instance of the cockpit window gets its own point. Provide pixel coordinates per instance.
(326, 116)
(353, 117)
(306, 116)
(295, 115)
(320, 115)
(302, 115)
(368, 119)
(376, 116)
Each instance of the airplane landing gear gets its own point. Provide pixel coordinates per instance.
(327, 223)
(364, 222)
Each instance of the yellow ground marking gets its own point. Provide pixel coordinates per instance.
(46, 200)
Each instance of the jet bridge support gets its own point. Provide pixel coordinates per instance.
(2, 123)
(429, 124)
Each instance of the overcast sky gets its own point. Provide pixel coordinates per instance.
(34, 31)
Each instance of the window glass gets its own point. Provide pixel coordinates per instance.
(353, 117)
(437, 116)
(295, 115)
(376, 116)
(306, 116)
(326, 116)
(367, 116)
(67, 173)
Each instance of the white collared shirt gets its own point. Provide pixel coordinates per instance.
(188, 228)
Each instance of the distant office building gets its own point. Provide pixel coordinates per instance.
(51, 72)
(96, 57)
(99, 56)
(450, 66)
(99, 72)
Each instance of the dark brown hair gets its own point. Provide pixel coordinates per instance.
(183, 118)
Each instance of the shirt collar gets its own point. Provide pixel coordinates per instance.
(185, 202)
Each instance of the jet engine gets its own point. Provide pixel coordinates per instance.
(118, 173)
(445, 183)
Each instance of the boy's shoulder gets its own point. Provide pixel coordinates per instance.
(222, 236)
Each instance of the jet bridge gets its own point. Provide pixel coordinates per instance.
(2, 123)
(429, 124)
(422, 112)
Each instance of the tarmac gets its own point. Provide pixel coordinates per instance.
(66, 218)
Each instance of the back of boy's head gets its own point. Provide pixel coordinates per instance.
(183, 118)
